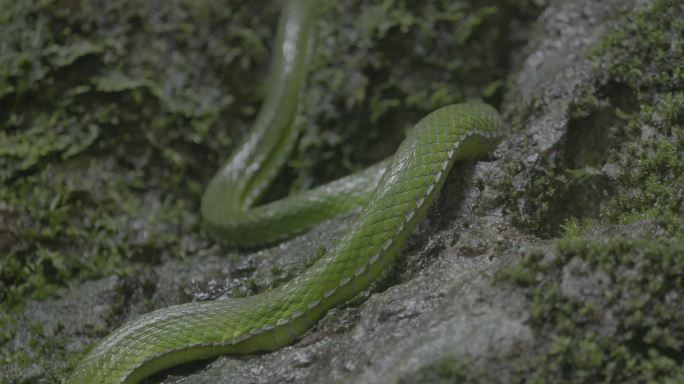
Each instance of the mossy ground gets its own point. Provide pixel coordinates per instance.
(115, 114)
(607, 299)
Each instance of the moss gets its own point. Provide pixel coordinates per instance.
(651, 177)
(443, 371)
(24, 360)
(647, 51)
(603, 298)
(540, 198)
(606, 307)
(101, 151)
(638, 66)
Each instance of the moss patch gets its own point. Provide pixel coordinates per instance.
(443, 371)
(606, 299)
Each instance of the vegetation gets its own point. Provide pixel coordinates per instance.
(606, 301)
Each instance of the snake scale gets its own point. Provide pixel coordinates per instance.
(394, 196)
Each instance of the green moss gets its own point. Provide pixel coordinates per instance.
(607, 309)
(542, 197)
(444, 371)
(604, 298)
(647, 52)
(24, 360)
(103, 152)
(651, 177)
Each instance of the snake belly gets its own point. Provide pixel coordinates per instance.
(395, 196)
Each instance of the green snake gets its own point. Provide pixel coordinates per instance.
(392, 197)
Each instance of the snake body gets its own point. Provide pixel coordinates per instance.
(395, 196)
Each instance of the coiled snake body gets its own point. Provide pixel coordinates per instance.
(394, 195)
